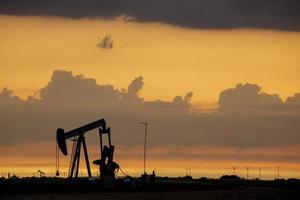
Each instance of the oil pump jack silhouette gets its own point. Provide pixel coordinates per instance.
(107, 166)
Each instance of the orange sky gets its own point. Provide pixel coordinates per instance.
(172, 61)
(26, 159)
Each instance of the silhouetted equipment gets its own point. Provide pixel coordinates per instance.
(57, 160)
(188, 172)
(230, 177)
(148, 180)
(41, 174)
(247, 168)
(107, 166)
(145, 144)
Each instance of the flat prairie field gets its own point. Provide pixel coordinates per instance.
(234, 194)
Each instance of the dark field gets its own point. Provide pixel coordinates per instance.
(162, 189)
(249, 193)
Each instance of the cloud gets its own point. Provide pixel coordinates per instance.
(247, 97)
(65, 88)
(131, 95)
(135, 86)
(294, 100)
(207, 14)
(7, 97)
(246, 117)
(106, 43)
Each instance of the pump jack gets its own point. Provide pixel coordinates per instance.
(41, 174)
(107, 166)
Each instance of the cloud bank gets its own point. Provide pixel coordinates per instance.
(207, 14)
(246, 116)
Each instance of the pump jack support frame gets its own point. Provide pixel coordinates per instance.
(106, 164)
(76, 158)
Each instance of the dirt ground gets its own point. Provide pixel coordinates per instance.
(236, 194)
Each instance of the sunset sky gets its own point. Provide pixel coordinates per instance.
(218, 82)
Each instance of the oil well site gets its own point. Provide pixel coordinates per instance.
(145, 186)
(150, 99)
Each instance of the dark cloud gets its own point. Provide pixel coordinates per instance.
(223, 14)
(246, 116)
(106, 43)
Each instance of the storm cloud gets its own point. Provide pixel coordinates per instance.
(205, 14)
(246, 115)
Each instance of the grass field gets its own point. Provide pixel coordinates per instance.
(235, 194)
(162, 189)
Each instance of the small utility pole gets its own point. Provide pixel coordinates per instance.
(247, 172)
(145, 145)
(233, 170)
(260, 173)
(277, 172)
